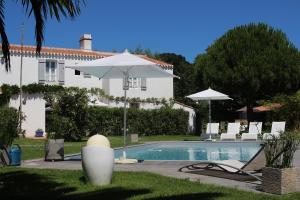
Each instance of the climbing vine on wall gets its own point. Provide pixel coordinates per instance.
(9, 90)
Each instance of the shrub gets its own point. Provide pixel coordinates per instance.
(68, 119)
(9, 120)
(164, 121)
(289, 110)
(279, 151)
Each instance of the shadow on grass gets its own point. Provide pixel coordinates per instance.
(115, 193)
(25, 185)
(195, 196)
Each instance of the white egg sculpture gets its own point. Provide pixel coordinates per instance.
(98, 140)
(98, 160)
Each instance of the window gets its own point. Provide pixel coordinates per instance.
(134, 82)
(85, 75)
(77, 72)
(51, 71)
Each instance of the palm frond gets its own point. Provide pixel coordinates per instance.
(55, 8)
(36, 6)
(5, 43)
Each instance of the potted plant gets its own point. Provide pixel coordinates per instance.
(132, 137)
(39, 132)
(54, 147)
(279, 176)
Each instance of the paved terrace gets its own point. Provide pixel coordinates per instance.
(165, 168)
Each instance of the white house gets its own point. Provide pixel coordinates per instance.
(49, 68)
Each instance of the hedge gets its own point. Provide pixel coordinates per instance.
(9, 120)
(164, 121)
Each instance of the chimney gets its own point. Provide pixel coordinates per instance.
(86, 42)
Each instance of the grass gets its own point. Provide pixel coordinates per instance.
(34, 148)
(69, 184)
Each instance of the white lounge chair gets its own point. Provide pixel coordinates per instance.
(254, 130)
(255, 164)
(232, 130)
(211, 129)
(277, 128)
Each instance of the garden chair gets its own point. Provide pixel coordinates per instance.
(277, 128)
(254, 165)
(232, 130)
(254, 129)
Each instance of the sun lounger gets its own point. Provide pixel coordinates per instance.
(277, 128)
(255, 164)
(254, 131)
(232, 130)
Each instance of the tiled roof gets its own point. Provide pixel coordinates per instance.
(79, 53)
(267, 107)
(261, 108)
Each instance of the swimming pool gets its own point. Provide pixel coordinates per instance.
(192, 151)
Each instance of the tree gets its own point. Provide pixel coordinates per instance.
(250, 62)
(185, 85)
(41, 9)
(69, 116)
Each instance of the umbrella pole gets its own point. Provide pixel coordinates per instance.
(125, 111)
(209, 118)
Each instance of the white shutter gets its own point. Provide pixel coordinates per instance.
(41, 71)
(61, 72)
(143, 84)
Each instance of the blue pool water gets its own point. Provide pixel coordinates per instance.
(242, 151)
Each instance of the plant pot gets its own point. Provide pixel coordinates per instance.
(54, 150)
(98, 164)
(132, 138)
(39, 133)
(279, 181)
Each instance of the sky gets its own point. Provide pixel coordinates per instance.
(185, 27)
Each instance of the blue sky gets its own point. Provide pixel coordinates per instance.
(185, 27)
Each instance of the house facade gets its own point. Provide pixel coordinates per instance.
(50, 68)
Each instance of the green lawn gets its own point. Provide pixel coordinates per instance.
(34, 148)
(68, 184)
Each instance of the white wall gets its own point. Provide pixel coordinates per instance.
(33, 108)
(79, 80)
(12, 77)
(156, 87)
(191, 112)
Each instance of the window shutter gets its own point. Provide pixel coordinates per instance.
(143, 84)
(125, 83)
(41, 71)
(61, 72)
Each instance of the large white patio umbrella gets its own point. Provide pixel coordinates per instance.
(209, 95)
(122, 65)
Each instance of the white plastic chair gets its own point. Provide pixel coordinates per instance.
(277, 128)
(254, 130)
(214, 128)
(232, 130)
